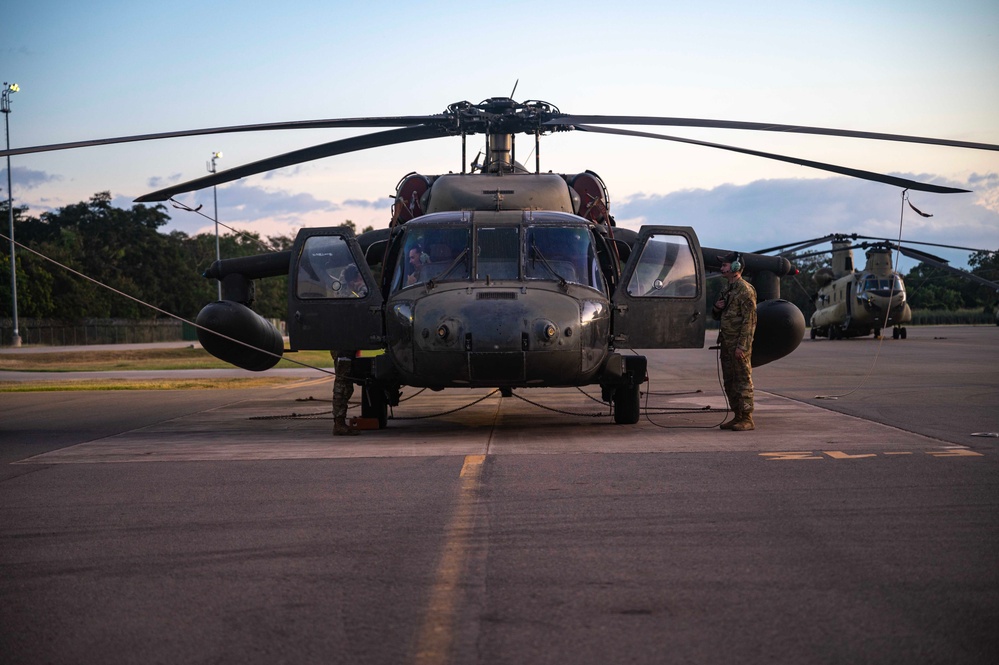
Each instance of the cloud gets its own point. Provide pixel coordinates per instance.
(26, 178)
(247, 203)
(361, 203)
(773, 212)
(157, 182)
(286, 172)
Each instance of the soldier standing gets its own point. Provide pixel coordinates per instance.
(736, 310)
(343, 389)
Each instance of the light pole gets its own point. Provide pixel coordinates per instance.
(215, 195)
(15, 337)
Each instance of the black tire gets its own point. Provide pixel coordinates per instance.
(627, 405)
(812, 334)
(374, 405)
(903, 333)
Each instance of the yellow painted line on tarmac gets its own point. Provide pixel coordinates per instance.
(954, 452)
(839, 454)
(782, 456)
(436, 638)
(472, 467)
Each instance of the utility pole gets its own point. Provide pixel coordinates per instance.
(15, 337)
(215, 195)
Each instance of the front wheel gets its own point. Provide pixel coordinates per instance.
(374, 405)
(627, 404)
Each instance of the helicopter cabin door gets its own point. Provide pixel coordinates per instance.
(659, 301)
(333, 299)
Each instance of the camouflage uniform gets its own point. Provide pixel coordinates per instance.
(738, 324)
(343, 389)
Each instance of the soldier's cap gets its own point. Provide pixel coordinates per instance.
(731, 257)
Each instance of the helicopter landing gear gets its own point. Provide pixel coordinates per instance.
(898, 332)
(627, 404)
(812, 333)
(877, 333)
(625, 393)
(374, 405)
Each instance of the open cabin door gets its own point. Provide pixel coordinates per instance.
(659, 302)
(333, 299)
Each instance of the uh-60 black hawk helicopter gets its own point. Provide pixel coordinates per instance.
(496, 276)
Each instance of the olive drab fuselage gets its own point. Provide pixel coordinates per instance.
(498, 299)
(498, 280)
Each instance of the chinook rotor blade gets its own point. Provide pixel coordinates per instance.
(917, 242)
(803, 244)
(905, 183)
(340, 147)
(576, 120)
(400, 121)
(937, 262)
(916, 254)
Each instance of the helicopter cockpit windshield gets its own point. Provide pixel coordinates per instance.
(433, 253)
(550, 247)
(882, 286)
(563, 253)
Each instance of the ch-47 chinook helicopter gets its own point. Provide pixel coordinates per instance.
(855, 303)
(495, 276)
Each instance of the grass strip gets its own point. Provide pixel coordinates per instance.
(138, 359)
(142, 384)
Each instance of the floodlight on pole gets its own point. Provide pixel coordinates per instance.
(215, 196)
(8, 89)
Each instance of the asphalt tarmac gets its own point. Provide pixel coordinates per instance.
(857, 523)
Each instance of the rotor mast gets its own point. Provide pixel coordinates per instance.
(500, 118)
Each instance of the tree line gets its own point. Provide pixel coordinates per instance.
(127, 251)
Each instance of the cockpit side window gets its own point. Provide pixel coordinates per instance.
(326, 269)
(666, 268)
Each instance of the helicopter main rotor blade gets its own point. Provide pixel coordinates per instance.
(917, 242)
(937, 262)
(798, 246)
(577, 120)
(340, 147)
(333, 123)
(905, 183)
(916, 254)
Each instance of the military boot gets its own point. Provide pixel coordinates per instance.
(744, 424)
(341, 428)
(728, 424)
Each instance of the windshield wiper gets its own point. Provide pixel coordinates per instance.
(433, 281)
(538, 255)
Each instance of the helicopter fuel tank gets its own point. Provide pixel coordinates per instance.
(245, 339)
(780, 327)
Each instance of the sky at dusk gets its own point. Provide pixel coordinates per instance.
(102, 69)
